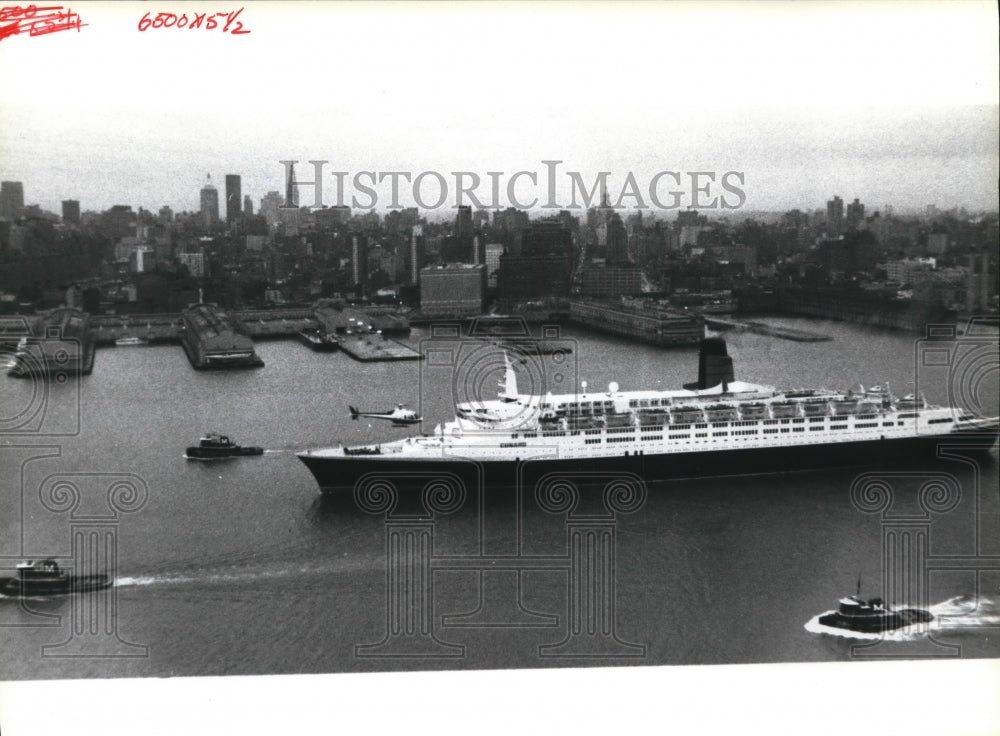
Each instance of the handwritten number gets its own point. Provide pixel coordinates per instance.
(199, 20)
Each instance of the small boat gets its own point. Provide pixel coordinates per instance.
(784, 409)
(45, 578)
(815, 407)
(872, 616)
(131, 342)
(686, 415)
(753, 411)
(720, 413)
(214, 445)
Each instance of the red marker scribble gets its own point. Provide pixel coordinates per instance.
(37, 21)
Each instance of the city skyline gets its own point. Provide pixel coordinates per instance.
(905, 113)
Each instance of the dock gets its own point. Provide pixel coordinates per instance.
(370, 348)
(785, 333)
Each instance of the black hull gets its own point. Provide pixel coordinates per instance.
(344, 471)
(877, 623)
(82, 584)
(207, 453)
(318, 343)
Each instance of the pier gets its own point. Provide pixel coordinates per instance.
(368, 348)
(55, 345)
(785, 333)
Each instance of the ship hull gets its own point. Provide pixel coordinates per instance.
(877, 623)
(345, 472)
(213, 453)
(55, 586)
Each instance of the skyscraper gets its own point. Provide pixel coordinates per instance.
(71, 212)
(234, 199)
(247, 205)
(359, 263)
(855, 214)
(463, 235)
(11, 200)
(416, 253)
(835, 216)
(209, 203)
(617, 244)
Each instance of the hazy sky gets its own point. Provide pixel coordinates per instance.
(892, 103)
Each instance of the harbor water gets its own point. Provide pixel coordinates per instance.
(241, 566)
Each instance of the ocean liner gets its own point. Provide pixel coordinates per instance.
(717, 426)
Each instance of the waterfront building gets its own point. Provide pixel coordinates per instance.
(212, 339)
(541, 267)
(453, 290)
(610, 280)
(648, 323)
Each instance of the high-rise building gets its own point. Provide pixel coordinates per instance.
(542, 268)
(416, 254)
(359, 263)
(247, 205)
(835, 216)
(617, 246)
(209, 203)
(71, 212)
(492, 255)
(234, 198)
(453, 290)
(291, 190)
(270, 204)
(463, 222)
(855, 214)
(11, 200)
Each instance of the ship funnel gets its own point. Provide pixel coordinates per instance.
(714, 365)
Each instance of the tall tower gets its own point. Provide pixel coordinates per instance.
(71, 212)
(291, 191)
(359, 263)
(209, 203)
(416, 253)
(11, 200)
(234, 199)
(835, 216)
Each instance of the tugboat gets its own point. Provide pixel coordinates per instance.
(318, 340)
(45, 578)
(872, 616)
(214, 445)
